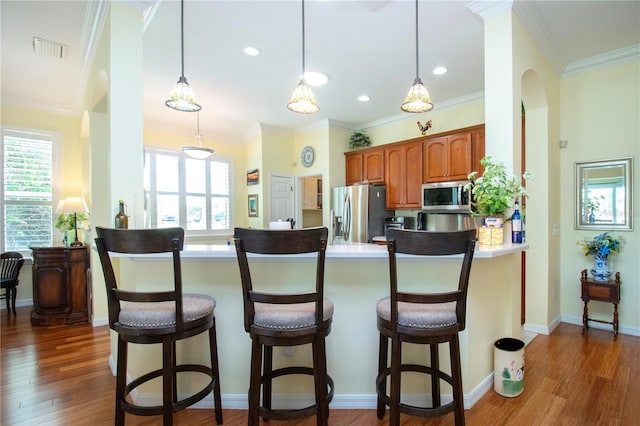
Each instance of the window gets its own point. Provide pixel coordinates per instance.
(193, 194)
(28, 174)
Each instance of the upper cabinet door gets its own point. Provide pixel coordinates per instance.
(459, 159)
(447, 158)
(403, 171)
(353, 168)
(374, 166)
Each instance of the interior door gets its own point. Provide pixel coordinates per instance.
(282, 198)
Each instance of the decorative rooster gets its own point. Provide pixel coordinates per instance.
(423, 129)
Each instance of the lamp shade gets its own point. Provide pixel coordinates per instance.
(182, 98)
(72, 205)
(198, 152)
(303, 101)
(418, 99)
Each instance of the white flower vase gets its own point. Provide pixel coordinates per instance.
(601, 270)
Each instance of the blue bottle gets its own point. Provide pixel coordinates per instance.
(516, 225)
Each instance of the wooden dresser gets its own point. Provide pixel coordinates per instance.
(61, 293)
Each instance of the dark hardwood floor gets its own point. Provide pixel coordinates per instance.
(60, 376)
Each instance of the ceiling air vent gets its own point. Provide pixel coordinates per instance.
(49, 48)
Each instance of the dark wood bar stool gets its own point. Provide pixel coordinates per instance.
(157, 317)
(276, 319)
(423, 318)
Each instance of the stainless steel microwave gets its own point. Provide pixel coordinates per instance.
(446, 197)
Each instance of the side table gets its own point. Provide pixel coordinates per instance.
(601, 291)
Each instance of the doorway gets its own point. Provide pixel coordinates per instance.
(311, 201)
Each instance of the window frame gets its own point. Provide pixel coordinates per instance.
(151, 195)
(56, 177)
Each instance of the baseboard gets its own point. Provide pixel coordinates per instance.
(339, 402)
(631, 331)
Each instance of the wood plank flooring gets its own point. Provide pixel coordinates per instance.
(60, 376)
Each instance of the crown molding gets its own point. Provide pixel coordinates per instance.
(619, 56)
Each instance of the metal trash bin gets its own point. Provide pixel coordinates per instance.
(508, 362)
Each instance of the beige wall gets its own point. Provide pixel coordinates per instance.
(600, 121)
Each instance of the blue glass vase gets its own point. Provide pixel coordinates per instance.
(601, 270)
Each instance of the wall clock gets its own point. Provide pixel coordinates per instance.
(307, 156)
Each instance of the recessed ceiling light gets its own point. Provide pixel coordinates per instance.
(251, 51)
(440, 70)
(315, 78)
(364, 98)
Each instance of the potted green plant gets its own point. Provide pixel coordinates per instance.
(359, 139)
(493, 193)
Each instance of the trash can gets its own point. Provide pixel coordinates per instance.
(508, 362)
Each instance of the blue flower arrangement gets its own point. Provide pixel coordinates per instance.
(602, 245)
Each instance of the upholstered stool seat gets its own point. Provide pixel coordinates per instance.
(421, 317)
(162, 317)
(291, 316)
(427, 315)
(163, 314)
(275, 319)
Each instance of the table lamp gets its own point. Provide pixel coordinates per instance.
(73, 205)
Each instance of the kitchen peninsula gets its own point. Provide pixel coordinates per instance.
(356, 277)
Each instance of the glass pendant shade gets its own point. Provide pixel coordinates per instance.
(199, 151)
(417, 99)
(303, 101)
(182, 98)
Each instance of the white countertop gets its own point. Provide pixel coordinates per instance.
(335, 251)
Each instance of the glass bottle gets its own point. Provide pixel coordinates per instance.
(122, 220)
(516, 225)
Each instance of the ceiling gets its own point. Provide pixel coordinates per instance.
(365, 47)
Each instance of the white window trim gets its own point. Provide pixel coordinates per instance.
(57, 156)
(192, 235)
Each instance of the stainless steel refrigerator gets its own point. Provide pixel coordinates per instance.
(357, 213)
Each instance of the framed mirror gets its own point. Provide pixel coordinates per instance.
(603, 195)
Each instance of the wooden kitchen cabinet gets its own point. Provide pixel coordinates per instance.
(447, 158)
(61, 293)
(403, 164)
(365, 166)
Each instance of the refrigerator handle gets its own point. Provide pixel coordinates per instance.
(346, 225)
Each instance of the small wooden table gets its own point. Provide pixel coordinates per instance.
(601, 291)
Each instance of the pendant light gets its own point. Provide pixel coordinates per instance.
(417, 99)
(303, 101)
(181, 97)
(199, 152)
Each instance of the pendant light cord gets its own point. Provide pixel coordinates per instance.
(417, 61)
(182, 36)
(303, 40)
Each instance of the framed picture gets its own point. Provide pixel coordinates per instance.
(253, 205)
(253, 177)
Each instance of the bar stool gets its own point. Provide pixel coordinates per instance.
(157, 317)
(423, 318)
(276, 319)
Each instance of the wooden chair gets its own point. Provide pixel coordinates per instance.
(423, 318)
(12, 262)
(276, 319)
(157, 317)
